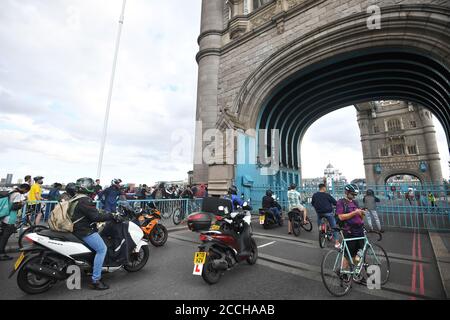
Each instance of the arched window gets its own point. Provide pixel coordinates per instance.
(394, 125)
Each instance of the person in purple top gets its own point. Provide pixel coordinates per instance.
(348, 211)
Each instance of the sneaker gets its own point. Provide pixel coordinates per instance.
(5, 258)
(98, 285)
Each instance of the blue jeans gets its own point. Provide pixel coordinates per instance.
(96, 243)
(276, 213)
(331, 221)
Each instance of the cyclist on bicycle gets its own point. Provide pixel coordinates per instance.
(323, 203)
(348, 211)
(295, 204)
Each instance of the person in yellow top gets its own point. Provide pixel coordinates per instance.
(34, 198)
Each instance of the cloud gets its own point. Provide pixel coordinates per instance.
(55, 67)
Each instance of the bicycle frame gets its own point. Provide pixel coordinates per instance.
(354, 269)
(328, 230)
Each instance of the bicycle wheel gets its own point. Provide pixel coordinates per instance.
(323, 229)
(295, 223)
(307, 226)
(336, 282)
(31, 229)
(374, 236)
(177, 217)
(377, 256)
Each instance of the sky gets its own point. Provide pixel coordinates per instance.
(55, 66)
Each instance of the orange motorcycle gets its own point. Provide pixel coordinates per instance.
(149, 220)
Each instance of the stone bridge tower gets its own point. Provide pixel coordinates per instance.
(269, 68)
(397, 138)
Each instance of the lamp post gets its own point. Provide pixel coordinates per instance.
(111, 85)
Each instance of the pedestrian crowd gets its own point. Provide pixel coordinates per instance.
(31, 194)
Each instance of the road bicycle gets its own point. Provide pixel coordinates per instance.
(297, 222)
(186, 207)
(338, 279)
(325, 232)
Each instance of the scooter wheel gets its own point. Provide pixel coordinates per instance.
(254, 255)
(138, 260)
(209, 274)
(158, 236)
(31, 283)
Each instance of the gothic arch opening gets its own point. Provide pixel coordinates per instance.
(353, 78)
(403, 178)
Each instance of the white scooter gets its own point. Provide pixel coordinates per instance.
(45, 262)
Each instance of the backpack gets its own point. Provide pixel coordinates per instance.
(61, 217)
(5, 207)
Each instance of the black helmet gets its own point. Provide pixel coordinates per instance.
(38, 178)
(293, 186)
(269, 193)
(116, 181)
(71, 189)
(85, 185)
(370, 192)
(352, 188)
(233, 190)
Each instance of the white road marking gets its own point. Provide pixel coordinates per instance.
(267, 244)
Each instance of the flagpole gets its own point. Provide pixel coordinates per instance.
(111, 85)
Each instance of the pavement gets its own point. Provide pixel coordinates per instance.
(288, 268)
(441, 248)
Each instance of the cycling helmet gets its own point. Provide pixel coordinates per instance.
(293, 186)
(116, 181)
(38, 178)
(85, 185)
(370, 192)
(71, 189)
(232, 190)
(352, 188)
(269, 193)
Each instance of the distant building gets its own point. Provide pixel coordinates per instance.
(3, 181)
(9, 178)
(333, 178)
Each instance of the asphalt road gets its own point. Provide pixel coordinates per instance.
(288, 269)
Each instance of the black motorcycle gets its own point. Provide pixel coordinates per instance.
(267, 219)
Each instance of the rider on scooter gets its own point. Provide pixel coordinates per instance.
(244, 239)
(235, 200)
(269, 203)
(86, 230)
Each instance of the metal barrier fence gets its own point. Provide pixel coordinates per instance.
(411, 206)
(167, 207)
